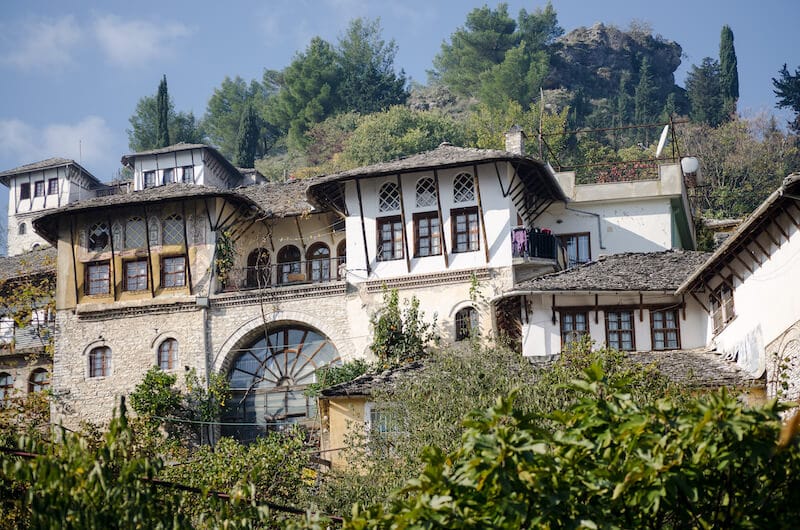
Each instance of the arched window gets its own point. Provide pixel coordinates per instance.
(466, 323)
(463, 188)
(173, 230)
(268, 378)
(426, 192)
(98, 237)
(6, 386)
(38, 381)
(168, 354)
(22, 229)
(135, 233)
(318, 260)
(258, 268)
(100, 362)
(341, 259)
(288, 264)
(389, 198)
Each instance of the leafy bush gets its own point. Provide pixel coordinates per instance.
(400, 335)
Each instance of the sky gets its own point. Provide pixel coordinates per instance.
(72, 72)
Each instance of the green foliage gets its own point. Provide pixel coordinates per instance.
(400, 335)
(787, 90)
(728, 70)
(518, 78)
(643, 99)
(156, 395)
(328, 138)
(247, 138)
(144, 135)
(398, 132)
(332, 375)
(225, 255)
(611, 462)
(162, 108)
(705, 93)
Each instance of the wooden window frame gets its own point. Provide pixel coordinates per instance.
(172, 355)
(168, 175)
(150, 182)
(38, 386)
(126, 277)
(24, 191)
(312, 262)
(664, 330)
(562, 240)
(38, 188)
(722, 305)
(288, 269)
(7, 387)
(88, 290)
(467, 322)
(564, 312)
(476, 229)
(632, 329)
(428, 216)
(380, 222)
(52, 186)
(165, 274)
(187, 171)
(103, 355)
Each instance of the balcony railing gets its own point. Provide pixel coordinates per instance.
(533, 244)
(283, 274)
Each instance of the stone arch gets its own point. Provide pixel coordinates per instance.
(250, 329)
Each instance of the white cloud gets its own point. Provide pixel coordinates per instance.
(89, 141)
(43, 44)
(134, 42)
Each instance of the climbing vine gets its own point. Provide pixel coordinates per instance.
(225, 255)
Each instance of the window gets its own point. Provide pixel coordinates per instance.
(173, 271)
(341, 257)
(25, 190)
(574, 326)
(258, 269)
(6, 386)
(426, 192)
(38, 381)
(22, 229)
(465, 229)
(466, 323)
(463, 188)
(619, 330)
(389, 198)
(188, 174)
(382, 428)
(149, 179)
(318, 260)
(136, 275)
(665, 330)
(390, 238)
(98, 278)
(427, 235)
(6, 329)
(577, 248)
(173, 230)
(289, 265)
(135, 233)
(38, 188)
(722, 310)
(98, 237)
(52, 187)
(100, 362)
(168, 175)
(168, 354)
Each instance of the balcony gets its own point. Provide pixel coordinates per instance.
(533, 246)
(283, 275)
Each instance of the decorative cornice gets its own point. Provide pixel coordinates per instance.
(421, 280)
(139, 310)
(278, 294)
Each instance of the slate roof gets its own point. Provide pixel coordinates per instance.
(31, 263)
(279, 199)
(629, 271)
(697, 368)
(363, 385)
(45, 164)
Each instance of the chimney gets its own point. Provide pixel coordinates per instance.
(515, 140)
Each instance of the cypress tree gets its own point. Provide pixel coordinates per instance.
(729, 74)
(643, 98)
(247, 138)
(162, 138)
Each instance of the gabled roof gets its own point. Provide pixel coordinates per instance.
(363, 385)
(630, 271)
(781, 200)
(49, 163)
(128, 160)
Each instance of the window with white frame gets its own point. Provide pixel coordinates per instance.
(6, 330)
(173, 271)
(389, 198)
(150, 179)
(187, 174)
(52, 186)
(168, 175)
(466, 323)
(426, 193)
(38, 188)
(463, 188)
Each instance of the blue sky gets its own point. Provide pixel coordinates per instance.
(72, 72)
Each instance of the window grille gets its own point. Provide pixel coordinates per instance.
(135, 233)
(98, 237)
(173, 230)
(463, 188)
(389, 198)
(426, 192)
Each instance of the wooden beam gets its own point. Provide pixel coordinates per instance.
(732, 271)
(363, 227)
(74, 259)
(746, 266)
(752, 254)
(683, 306)
(149, 253)
(700, 303)
(300, 234)
(480, 211)
(500, 180)
(553, 306)
(790, 216)
(641, 307)
(780, 228)
(403, 222)
(596, 309)
(442, 238)
(186, 245)
(112, 262)
(761, 248)
(771, 237)
(225, 221)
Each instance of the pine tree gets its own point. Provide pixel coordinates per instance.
(787, 90)
(728, 72)
(705, 94)
(163, 114)
(643, 98)
(247, 139)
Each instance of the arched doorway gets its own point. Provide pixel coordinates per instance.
(268, 379)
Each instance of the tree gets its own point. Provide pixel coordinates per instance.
(643, 99)
(540, 28)
(162, 108)
(728, 71)
(787, 90)
(369, 82)
(704, 91)
(400, 335)
(518, 78)
(143, 134)
(247, 143)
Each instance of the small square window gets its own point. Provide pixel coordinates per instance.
(136, 275)
(52, 187)
(665, 329)
(168, 173)
(98, 278)
(38, 188)
(173, 271)
(25, 190)
(574, 326)
(620, 333)
(188, 174)
(149, 179)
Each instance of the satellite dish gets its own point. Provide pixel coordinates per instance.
(662, 141)
(690, 165)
